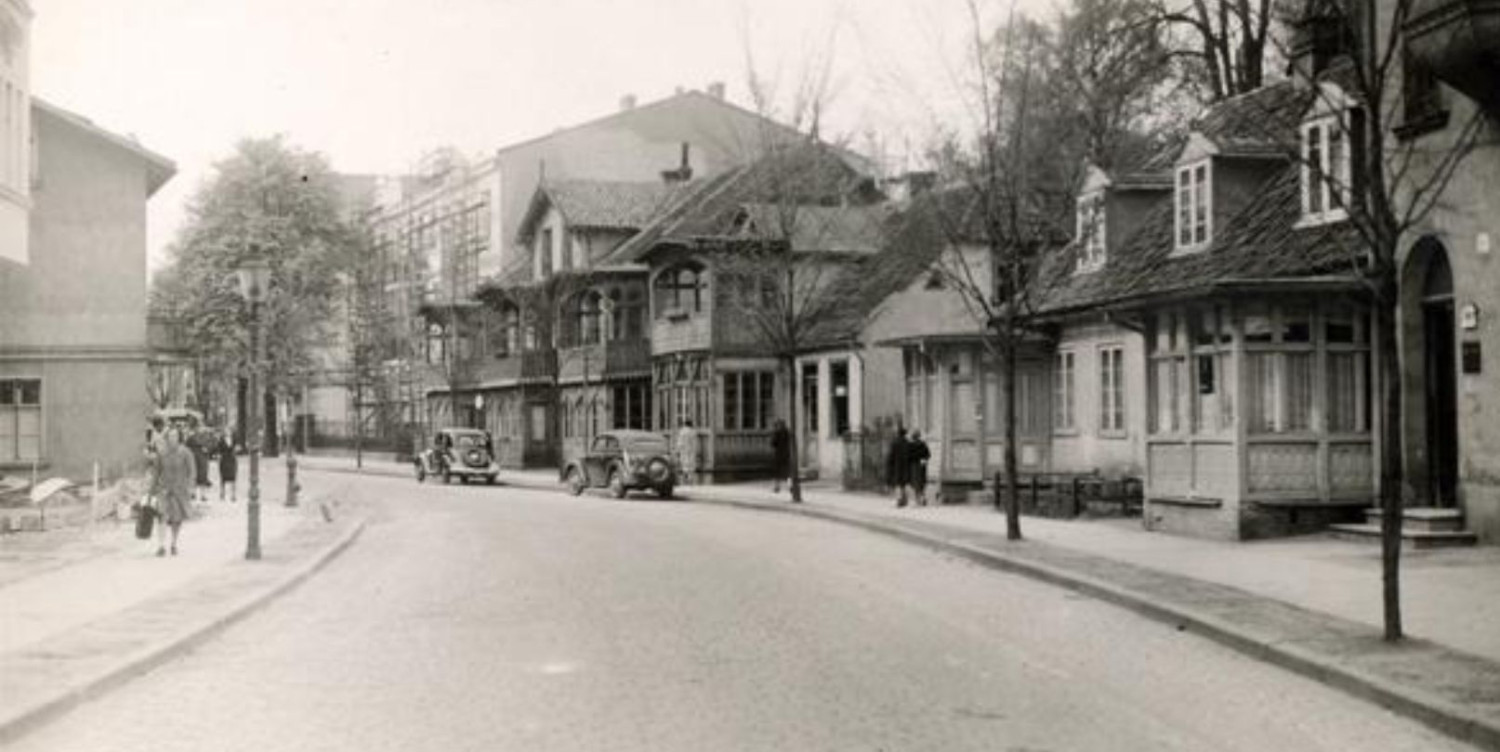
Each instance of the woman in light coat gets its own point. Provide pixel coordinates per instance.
(178, 473)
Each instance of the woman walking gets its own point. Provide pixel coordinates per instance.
(917, 455)
(177, 471)
(228, 466)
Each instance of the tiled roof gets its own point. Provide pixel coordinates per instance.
(610, 204)
(838, 229)
(1260, 122)
(1262, 243)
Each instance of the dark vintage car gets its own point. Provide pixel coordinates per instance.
(462, 453)
(623, 461)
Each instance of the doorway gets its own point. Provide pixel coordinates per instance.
(809, 437)
(1439, 364)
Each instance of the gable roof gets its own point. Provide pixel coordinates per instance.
(1257, 123)
(809, 175)
(600, 204)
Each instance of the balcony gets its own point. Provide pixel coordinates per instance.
(1459, 40)
(538, 365)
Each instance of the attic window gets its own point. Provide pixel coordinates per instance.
(1091, 230)
(1194, 205)
(1325, 170)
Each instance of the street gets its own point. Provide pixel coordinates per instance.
(499, 618)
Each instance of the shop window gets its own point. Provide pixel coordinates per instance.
(749, 400)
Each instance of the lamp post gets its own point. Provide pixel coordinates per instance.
(255, 278)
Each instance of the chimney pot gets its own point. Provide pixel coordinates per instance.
(716, 89)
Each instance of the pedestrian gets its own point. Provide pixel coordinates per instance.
(898, 466)
(199, 444)
(177, 470)
(687, 453)
(228, 467)
(781, 454)
(917, 455)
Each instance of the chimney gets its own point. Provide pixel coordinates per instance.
(627, 102)
(716, 89)
(684, 171)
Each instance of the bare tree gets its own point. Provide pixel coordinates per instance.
(1228, 38)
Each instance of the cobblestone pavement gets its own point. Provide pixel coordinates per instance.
(471, 618)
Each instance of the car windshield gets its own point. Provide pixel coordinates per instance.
(468, 441)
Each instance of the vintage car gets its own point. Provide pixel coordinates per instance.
(622, 461)
(461, 453)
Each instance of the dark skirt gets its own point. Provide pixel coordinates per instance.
(228, 467)
(200, 462)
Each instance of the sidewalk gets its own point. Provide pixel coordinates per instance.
(1309, 604)
(84, 609)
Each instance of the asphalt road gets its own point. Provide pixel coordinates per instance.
(473, 618)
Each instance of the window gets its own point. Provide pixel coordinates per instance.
(1194, 209)
(1062, 387)
(20, 419)
(682, 392)
(1111, 389)
(544, 254)
(680, 290)
(838, 377)
(435, 345)
(913, 365)
(1091, 231)
(1168, 374)
(632, 406)
(749, 400)
(586, 318)
(1325, 170)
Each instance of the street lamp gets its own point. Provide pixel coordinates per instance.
(255, 280)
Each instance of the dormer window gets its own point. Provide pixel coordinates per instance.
(1325, 170)
(1194, 205)
(1091, 229)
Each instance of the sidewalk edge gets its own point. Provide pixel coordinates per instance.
(1433, 712)
(14, 725)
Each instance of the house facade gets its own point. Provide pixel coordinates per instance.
(74, 345)
(456, 222)
(1450, 278)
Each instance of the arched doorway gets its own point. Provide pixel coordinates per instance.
(1430, 274)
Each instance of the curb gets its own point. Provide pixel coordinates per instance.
(15, 724)
(1433, 712)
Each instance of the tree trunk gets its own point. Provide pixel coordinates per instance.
(1392, 475)
(1012, 486)
(795, 484)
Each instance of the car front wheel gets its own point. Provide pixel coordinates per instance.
(575, 481)
(617, 484)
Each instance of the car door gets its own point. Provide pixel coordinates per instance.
(596, 462)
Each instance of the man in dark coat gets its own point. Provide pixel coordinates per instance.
(898, 466)
(917, 455)
(781, 454)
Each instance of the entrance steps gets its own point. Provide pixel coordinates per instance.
(1421, 528)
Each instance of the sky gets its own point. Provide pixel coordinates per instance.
(372, 84)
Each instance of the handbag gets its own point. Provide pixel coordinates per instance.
(144, 521)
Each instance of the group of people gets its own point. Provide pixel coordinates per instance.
(906, 467)
(177, 472)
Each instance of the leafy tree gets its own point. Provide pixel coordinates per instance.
(279, 202)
